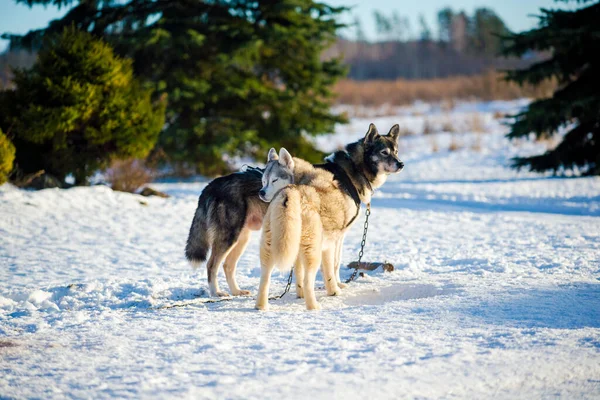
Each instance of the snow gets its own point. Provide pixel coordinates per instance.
(496, 291)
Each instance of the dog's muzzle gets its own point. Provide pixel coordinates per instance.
(394, 167)
(261, 195)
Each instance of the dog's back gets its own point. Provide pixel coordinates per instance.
(336, 208)
(221, 212)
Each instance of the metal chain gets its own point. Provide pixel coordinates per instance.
(362, 244)
(287, 287)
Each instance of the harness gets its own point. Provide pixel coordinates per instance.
(340, 175)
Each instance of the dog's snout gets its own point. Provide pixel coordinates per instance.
(400, 165)
(262, 192)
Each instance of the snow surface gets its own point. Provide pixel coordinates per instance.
(496, 291)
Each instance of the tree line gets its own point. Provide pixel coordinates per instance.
(462, 44)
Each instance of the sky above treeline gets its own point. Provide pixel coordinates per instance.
(517, 14)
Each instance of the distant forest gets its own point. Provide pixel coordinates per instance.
(462, 45)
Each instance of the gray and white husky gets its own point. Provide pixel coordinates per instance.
(230, 207)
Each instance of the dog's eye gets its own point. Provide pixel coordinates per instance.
(274, 180)
(385, 152)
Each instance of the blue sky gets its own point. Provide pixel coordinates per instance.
(18, 18)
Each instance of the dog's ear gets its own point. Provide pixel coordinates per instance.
(286, 159)
(394, 132)
(272, 155)
(371, 135)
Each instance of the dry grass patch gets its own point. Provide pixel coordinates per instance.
(477, 144)
(488, 86)
(435, 147)
(406, 131)
(128, 175)
(477, 123)
(454, 144)
(499, 115)
(448, 125)
(428, 127)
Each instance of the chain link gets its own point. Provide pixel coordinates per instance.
(287, 287)
(362, 245)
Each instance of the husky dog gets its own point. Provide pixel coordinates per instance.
(306, 222)
(230, 207)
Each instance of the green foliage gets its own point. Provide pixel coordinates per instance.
(574, 38)
(78, 108)
(236, 72)
(7, 156)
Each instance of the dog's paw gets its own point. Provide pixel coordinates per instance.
(335, 291)
(262, 307)
(221, 294)
(342, 285)
(313, 307)
(242, 293)
(299, 292)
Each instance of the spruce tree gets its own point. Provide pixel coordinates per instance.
(573, 37)
(78, 108)
(241, 76)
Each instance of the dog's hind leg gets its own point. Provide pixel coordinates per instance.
(299, 271)
(262, 299)
(231, 261)
(338, 261)
(311, 262)
(212, 268)
(266, 268)
(310, 256)
(328, 270)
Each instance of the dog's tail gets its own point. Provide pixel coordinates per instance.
(198, 242)
(286, 228)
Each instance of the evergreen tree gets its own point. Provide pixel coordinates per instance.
(573, 36)
(236, 72)
(444, 18)
(425, 31)
(486, 30)
(77, 108)
(7, 156)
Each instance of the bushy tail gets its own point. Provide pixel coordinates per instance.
(198, 242)
(286, 228)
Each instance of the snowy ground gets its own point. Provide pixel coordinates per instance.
(496, 291)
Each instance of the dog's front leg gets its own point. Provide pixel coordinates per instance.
(299, 271)
(266, 268)
(339, 245)
(329, 277)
